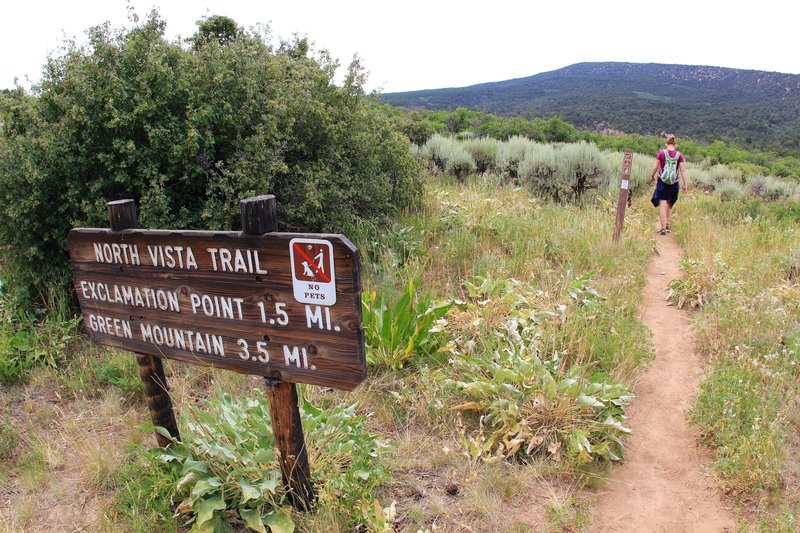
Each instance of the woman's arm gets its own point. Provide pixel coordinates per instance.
(653, 172)
(684, 177)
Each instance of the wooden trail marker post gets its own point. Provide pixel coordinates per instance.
(279, 305)
(624, 191)
(122, 216)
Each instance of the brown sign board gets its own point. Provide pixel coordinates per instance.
(280, 305)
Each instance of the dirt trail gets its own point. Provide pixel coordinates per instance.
(664, 483)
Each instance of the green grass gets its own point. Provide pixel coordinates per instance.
(571, 515)
(747, 326)
(144, 495)
(119, 369)
(30, 339)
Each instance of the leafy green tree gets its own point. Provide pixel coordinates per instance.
(787, 167)
(556, 129)
(459, 120)
(218, 28)
(188, 133)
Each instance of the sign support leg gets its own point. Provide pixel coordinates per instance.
(151, 370)
(121, 216)
(259, 216)
(288, 430)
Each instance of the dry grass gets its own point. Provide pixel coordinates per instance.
(70, 446)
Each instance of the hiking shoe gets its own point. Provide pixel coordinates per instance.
(662, 232)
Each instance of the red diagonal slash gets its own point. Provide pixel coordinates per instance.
(312, 263)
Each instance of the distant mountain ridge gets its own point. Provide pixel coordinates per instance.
(701, 102)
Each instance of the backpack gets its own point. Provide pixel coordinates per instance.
(669, 174)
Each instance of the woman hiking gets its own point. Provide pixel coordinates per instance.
(670, 167)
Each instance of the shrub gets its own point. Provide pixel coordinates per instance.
(511, 153)
(448, 155)
(728, 190)
(640, 173)
(484, 152)
(725, 173)
(586, 168)
(769, 188)
(416, 127)
(188, 133)
(776, 189)
(756, 185)
(556, 129)
(539, 171)
(435, 151)
(702, 179)
(460, 164)
(563, 174)
(750, 169)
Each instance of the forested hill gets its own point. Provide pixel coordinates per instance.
(704, 103)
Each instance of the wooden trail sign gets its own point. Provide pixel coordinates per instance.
(624, 192)
(279, 305)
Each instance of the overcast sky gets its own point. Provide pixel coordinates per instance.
(424, 44)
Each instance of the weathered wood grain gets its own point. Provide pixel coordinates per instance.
(156, 395)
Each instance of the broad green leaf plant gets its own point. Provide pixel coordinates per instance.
(397, 332)
(229, 469)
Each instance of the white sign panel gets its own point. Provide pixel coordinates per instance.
(313, 274)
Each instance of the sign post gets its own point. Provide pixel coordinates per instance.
(259, 215)
(624, 192)
(122, 216)
(285, 306)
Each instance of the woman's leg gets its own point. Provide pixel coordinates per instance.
(669, 213)
(663, 205)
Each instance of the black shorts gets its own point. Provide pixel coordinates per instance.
(666, 192)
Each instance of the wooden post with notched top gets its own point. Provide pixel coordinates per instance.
(122, 216)
(259, 215)
(624, 191)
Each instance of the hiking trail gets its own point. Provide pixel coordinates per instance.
(665, 482)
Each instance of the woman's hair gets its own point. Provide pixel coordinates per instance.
(671, 138)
